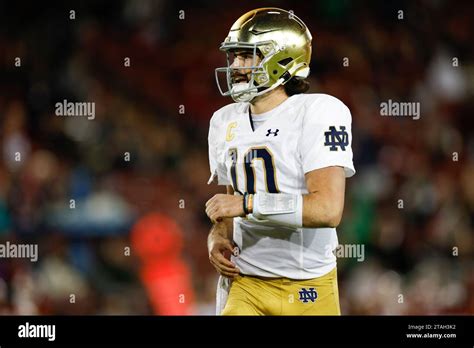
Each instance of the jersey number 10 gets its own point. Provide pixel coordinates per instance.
(261, 153)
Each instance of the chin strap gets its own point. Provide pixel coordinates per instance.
(250, 95)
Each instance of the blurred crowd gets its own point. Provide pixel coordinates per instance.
(115, 204)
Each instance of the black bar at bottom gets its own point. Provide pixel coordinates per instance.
(134, 331)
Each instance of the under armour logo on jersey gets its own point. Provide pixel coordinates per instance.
(308, 295)
(335, 138)
(275, 133)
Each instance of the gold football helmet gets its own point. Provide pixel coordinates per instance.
(282, 41)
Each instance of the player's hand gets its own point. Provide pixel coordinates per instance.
(224, 205)
(219, 247)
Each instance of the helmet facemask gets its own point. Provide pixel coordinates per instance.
(257, 83)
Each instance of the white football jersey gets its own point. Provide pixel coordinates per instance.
(304, 133)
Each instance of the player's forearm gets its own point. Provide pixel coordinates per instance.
(318, 209)
(223, 228)
(321, 210)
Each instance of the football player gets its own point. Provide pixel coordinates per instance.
(284, 157)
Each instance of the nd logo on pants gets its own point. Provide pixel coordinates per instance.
(281, 296)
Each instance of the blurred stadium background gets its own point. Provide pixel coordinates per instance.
(136, 241)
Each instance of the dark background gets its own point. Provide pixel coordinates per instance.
(418, 260)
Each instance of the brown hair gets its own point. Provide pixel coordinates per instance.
(296, 86)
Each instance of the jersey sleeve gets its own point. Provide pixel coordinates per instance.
(326, 136)
(216, 153)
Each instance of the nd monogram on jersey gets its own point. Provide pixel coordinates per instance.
(304, 133)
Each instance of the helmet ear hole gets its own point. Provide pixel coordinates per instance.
(275, 72)
(285, 62)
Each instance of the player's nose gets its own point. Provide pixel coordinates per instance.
(236, 63)
(239, 61)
